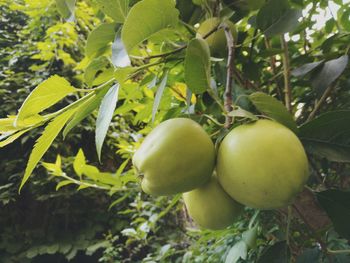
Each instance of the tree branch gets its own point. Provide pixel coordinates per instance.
(230, 71)
(286, 70)
(273, 69)
(321, 101)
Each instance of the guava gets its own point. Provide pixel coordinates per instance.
(177, 156)
(262, 165)
(217, 41)
(211, 207)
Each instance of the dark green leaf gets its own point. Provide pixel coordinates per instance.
(331, 70)
(328, 136)
(337, 205)
(309, 256)
(305, 69)
(274, 109)
(277, 17)
(197, 66)
(278, 253)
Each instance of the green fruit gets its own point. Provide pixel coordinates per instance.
(217, 41)
(211, 207)
(177, 156)
(262, 165)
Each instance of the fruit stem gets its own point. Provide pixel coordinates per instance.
(229, 77)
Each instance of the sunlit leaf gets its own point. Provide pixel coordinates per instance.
(159, 94)
(146, 18)
(100, 39)
(44, 142)
(66, 9)
(43, 96)
(104, 117)
(116, 9)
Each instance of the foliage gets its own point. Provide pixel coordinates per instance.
(134, 64)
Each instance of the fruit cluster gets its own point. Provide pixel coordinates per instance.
(261, 165)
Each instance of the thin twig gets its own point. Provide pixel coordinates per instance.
(286, 70)
(273, 69)
(320, 102)
(230, 71)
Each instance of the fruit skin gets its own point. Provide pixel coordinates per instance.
(262, 165)
(177, 156)
(217, 41)
(211, 207)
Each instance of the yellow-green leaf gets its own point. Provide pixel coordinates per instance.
(44, 96)
(44, 142)
(116, 9)
(100, 39)
(146, 18)
(13, 137)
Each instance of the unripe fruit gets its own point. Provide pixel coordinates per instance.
(211, 207)
(217, 41)
(177, 156)
(262, 165)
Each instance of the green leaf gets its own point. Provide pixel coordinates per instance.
(159, 94)
(63, 183)
(239, 250)
(336, 203)
(79, 163)
(197, 66)
(146, 18)
(66, 9)
(274, 109)
(85, 109)
(96, 68)
(278, 253)
(43, 143)
(13, 137)
(331, 70)
(309, 256)
(54, 168)
(116, 9)
(105, 116)
(277, 17)
(7, 124)
(305, 69)
(100, 39)
(239, 112)
(249, 236)
(328, 136)
(44, 96)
